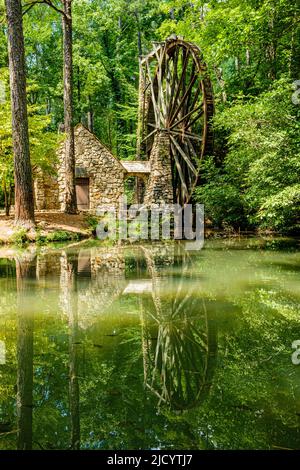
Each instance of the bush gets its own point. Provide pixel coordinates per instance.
(282, 211)
(258, 182)
(222, 201)
(92, 222)
(20, 237)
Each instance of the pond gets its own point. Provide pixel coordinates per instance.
(150, 347)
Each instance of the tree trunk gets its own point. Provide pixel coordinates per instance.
(25, 270)
(295, 48)
(221, 81)
(69, 301)
(24, 201)
(139, 38)
(271, 50)
(90, 116)
(248, 57)
(70, 206)
(7, 197)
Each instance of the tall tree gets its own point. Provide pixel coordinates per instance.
(70, 202)
(70, 206)
(24, 201)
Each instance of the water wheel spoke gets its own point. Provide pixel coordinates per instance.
(191, 148)
(184, 98)
(189, 114)
(181, 176)
(183, 134)
(187, 104)
(196, 97)
(196, 118)
(180, 83)
(149, 135)
(184, 156)
(153, 96)
(161, 99)
(174, 79)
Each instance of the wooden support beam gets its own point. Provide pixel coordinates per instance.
(184, 156)
(178, 166)
(196, 118)
(149, 135)
(155, 107)
(184, 134)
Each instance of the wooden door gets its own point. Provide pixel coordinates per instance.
(83, 193)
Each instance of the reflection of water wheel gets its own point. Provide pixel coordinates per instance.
(178, 100)
(179, 342)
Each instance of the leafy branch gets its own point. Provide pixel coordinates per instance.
(30, 5)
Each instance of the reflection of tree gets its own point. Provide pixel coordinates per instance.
(70, 306)
(179, 340)
(25, 270)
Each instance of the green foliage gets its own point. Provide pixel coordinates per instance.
(261, 170)
(20, 237)
(282, 210)
(92, 221)
(56, 236)
(43, 143)
(222, 200)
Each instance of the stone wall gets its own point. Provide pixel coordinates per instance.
(106, 174)
(46, 192)
(159, 188)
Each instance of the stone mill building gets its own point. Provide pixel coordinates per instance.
(100, 177)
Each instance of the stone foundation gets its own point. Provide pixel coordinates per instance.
(46, 192)
(159, 188)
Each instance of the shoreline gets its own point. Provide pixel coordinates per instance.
(55, 227)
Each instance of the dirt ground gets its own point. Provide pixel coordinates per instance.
(46, 222)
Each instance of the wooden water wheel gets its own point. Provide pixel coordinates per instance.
(176, 97)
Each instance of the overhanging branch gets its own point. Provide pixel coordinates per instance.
(46, 2)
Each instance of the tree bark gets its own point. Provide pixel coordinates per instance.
(7, 197)
(70, 206)
(25, 270)
(295, 47)
(90, 116)
(69, 301)
(24, 201)
(221, 81)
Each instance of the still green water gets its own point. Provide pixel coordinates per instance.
(150, 347)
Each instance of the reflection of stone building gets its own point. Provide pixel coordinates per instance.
(107, 282)
(100, 176)
(96, 275)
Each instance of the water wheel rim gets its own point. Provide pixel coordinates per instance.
(185, 165)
